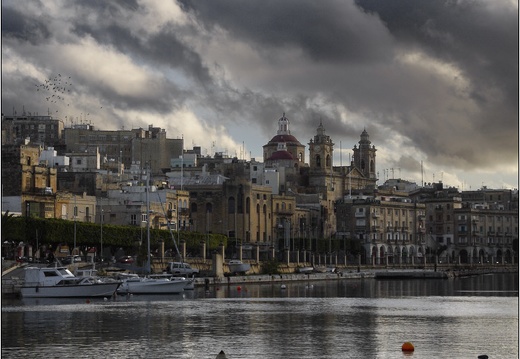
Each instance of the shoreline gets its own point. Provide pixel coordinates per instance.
(382, 274)
(11, 284)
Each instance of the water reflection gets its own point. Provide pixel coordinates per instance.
(458, 318)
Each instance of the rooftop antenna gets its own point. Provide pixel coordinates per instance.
(422, 174)
(340, 157)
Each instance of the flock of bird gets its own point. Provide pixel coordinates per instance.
(55, 88)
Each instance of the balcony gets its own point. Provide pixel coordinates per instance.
(375, 228)
(284, 212)
(360, 214)
(375, 215)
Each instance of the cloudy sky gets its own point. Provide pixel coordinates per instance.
(431, 81)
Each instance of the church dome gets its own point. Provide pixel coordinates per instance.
(283, 135)
(281, 155)
(284, 138)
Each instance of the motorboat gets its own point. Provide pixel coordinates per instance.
(59, 282)
(237, 266)
(305, 270)
(133, 284)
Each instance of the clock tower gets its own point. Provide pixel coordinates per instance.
(321, 150)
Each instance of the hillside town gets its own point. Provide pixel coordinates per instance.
(293, 199)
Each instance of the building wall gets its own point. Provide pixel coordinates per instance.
(44, 130)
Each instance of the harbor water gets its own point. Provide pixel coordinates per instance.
(347, 318)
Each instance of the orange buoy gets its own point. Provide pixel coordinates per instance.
(407, 347)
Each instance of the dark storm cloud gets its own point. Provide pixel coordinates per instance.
(16, 25)
(480, 37)
(325, 31)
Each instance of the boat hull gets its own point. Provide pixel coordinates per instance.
(70, 291)
(239, 267)
(153, 287)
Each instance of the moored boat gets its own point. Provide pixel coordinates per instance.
(59, 282)
(237, 266)
(134, 284)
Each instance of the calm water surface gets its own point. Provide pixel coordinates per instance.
(350, 318)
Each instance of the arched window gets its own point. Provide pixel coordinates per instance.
(327, 161)
(248, 205)
(372, 166)
(170, 206)
(257, 208)
(318, 161)
(362, 164)
(231, 205)
(209, 207)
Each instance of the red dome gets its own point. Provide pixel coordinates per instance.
(281, 155)
(284, 138)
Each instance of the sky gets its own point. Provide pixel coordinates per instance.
(434, 83)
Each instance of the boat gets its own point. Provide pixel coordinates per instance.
(237, 266)
(133, 284)
(59, 282)
(305, 270)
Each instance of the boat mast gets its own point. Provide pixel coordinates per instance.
(148, 261)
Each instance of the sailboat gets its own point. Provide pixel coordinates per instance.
(133, 284)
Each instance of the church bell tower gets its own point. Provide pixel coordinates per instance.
(365, 156)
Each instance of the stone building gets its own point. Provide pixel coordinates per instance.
(391, 229)
(43, 130)
(22, 171)
(128, 206)
(483, 234)
(126, 146)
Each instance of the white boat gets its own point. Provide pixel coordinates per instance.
(305, 270)
(237, 266)
(59, 282)
(134, 284)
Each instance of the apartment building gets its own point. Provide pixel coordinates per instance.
(391, 229)
(43, 130)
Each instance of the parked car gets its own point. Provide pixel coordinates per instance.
(181, 269)
(126, 260)
(71, 259)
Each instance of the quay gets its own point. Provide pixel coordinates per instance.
(12, 277)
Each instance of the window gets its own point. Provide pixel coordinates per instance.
(133, 219)
(231, 205)
(194, 207)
